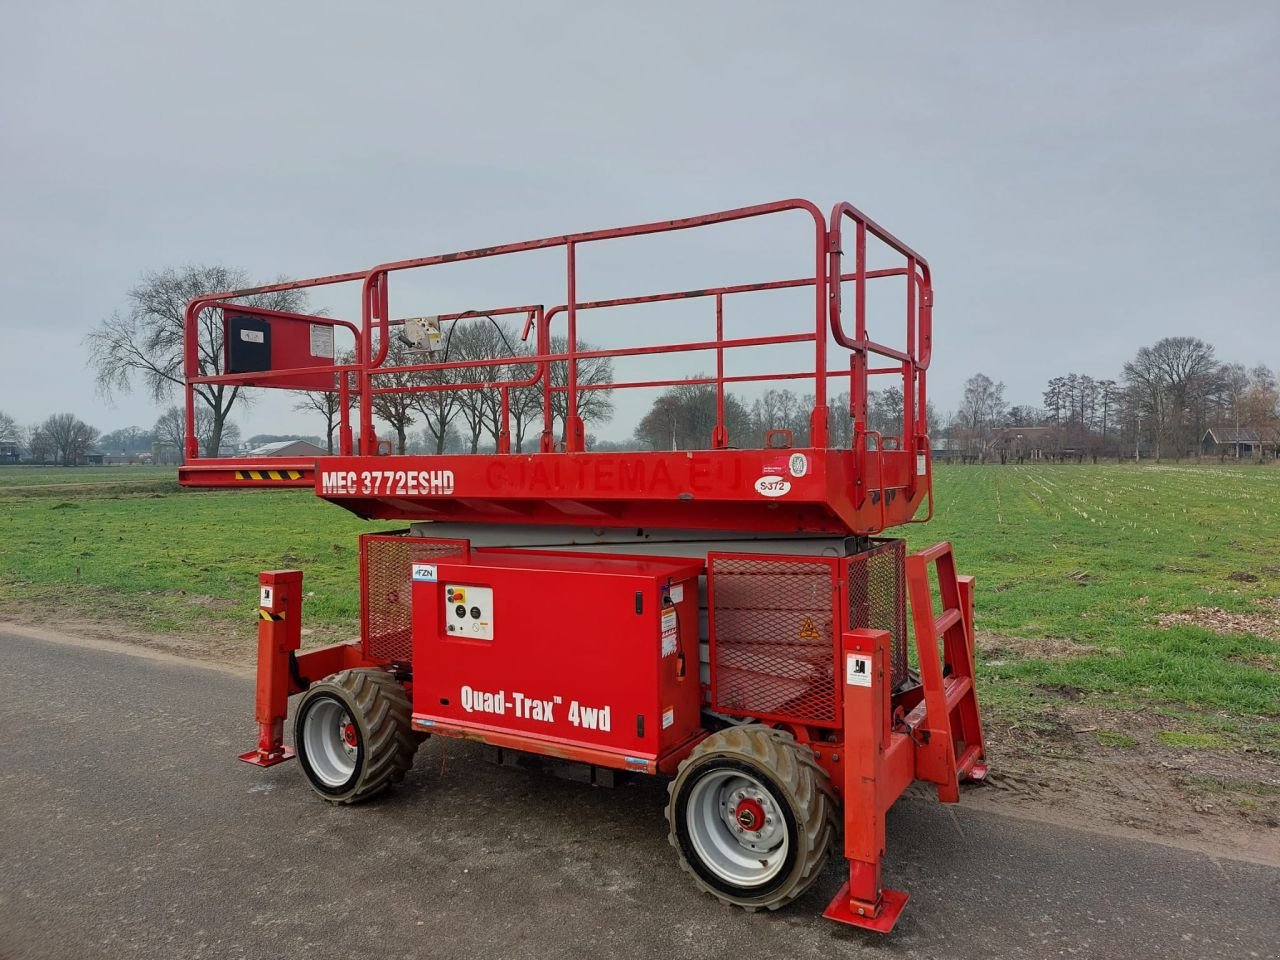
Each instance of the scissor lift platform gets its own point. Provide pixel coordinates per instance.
(774, 490)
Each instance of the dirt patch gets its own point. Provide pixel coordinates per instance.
(1243, 576)
(1265, 623)
(1133, 770)
(994, 648)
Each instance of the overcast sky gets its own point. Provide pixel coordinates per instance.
(1084, 178)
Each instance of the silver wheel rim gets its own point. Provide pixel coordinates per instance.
(327, 735)
(722, 833)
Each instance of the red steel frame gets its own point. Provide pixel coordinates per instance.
(887, 485)
(880, 740)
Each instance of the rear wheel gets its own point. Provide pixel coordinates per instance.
(353, 735)
(752, 816)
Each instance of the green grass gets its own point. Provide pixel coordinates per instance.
(1084, 556)
(1094, 554)
(132, 546)
(1194, 741)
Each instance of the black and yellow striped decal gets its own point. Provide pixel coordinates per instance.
(265, 614)
(268, 474)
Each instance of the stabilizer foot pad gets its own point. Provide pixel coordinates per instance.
(891, 904)
(259, 759)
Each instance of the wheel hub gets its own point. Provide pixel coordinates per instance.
(349, 734)
(749, 814)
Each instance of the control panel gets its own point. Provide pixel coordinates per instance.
(468, 611)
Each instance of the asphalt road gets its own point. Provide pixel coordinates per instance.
(128, 829)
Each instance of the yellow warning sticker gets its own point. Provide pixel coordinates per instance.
(808, 631)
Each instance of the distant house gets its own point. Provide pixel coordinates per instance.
(8, 451)
(304, 449)
(1024, 443)
(945, 450)
(1238, 444)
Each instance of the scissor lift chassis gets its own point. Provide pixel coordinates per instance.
(725, 617)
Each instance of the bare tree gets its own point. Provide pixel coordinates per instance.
(8, 427)
(594, 406)
(328, 403)
(69, 436)
(1107, 396)
(171, 429)
(125, 440)
(1173, 380)
(1261, 405)
(146, 339)
(1234, 385)
(683, 418)
(40, 445)
(778, 410)
(399, 410)
(981, 407)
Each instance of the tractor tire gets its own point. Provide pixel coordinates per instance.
(353, 735)
(752, 816)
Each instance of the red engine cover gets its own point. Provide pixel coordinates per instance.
(586, 650)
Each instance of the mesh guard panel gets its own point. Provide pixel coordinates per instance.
(877, 599)
(386, 589)
(773, 649)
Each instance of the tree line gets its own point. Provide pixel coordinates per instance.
(1161, 400)
(1160, 405)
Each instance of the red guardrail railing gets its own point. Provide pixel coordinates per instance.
(373, 335)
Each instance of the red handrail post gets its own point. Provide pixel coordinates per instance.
(574, 434)
(720, 433)
(504, 426)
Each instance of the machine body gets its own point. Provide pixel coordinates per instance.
(729, 616)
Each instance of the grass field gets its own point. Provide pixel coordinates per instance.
(1151, 588)
(1116, 569)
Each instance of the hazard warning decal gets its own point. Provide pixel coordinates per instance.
(808, 630)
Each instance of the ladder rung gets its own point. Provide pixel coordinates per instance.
(966, 760)
(957, 689)
(945, 622)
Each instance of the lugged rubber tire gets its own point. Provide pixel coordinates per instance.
(795, 779)
(380, 709)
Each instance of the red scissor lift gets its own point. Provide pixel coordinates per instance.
(725, 616)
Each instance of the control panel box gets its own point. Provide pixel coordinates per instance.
(599, 651)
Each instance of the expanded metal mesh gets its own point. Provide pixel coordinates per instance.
(877, 598)
(773, 643)
(386, 591)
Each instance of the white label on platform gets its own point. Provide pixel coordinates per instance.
(857, 670)
(264, 597)
(799, 464)
(920, 464)
(668, 717)
(773, 487)
(425, 572)
(252, 336)
(322, 341)
(677, 593)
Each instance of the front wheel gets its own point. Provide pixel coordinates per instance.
(752, 816)
(353, 735)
